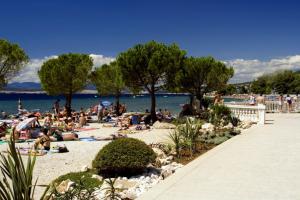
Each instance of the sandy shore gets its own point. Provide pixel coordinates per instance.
(81, 153)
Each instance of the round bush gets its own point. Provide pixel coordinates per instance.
(123, 157)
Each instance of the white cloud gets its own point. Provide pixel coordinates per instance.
(30, 72)
(100, 60)
(247, 70)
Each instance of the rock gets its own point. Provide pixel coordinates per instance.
(64, 186)
(246, 124)
(84, 168)
(164, 161)
(129, 194)
(125, 184)
(163, 125)
(228, 126)
(159, 153)
(166, 173)
(169, 158)
(154, 176)
(100, 178)
(208, 127)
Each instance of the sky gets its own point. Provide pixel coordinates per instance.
(255, 37)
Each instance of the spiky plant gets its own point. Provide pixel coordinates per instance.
(190, 132)
(16, 183)
(111, 192)
(176, 140)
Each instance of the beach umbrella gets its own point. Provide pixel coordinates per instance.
(25, 123)
(106, 103)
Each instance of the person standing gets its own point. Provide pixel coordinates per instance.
(289, 102)
(56, 107)
(280, 103)
(217, 99)
(252, 100)
(100, 112)
(20, 107)
(260, 99)
(295, 99)
(3, 114)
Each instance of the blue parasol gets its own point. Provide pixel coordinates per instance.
(106, 103)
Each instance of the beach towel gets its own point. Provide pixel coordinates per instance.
(28, 151)
(85, 129)
(87, 139)
(135, 119)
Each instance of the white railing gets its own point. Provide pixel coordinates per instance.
(275, 107)
(249, 113)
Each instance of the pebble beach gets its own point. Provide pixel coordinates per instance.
(81, 153)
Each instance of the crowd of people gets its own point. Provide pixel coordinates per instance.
(44, 128)
(286, 103)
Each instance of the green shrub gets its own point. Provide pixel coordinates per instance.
(219, 113)
(123, 157)
(234, 121)
(179, 121)
(206, 102)
(84, 187)
(204, 115)
(219, 140)
(84, 177)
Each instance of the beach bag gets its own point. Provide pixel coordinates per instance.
(62, 149)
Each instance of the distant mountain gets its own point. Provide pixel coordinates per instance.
(32, 86)
(23, 86)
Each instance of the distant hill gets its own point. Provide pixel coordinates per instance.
(32, 86)
(25, 86)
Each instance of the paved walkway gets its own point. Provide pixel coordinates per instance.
(263, 163)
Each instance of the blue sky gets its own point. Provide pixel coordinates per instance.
(228, 29)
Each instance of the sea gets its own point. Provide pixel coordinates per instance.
(134, 103)
(44, 102)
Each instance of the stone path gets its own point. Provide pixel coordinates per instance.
(262, 163)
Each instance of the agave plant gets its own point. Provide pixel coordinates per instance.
(176, 139)
(190, 132)
(16, 180)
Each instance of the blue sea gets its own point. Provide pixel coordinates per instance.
(43, 102)
(9, 102)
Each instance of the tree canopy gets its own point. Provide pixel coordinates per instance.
(65, 75)
(202, 74)
(262, 85)
(151, 67)
(108, 80)
(281, 82)
(12, 59)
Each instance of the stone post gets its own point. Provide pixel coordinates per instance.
(261, 114)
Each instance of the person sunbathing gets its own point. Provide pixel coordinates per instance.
(124, 123)
(110, 137)
(70, 125)
(44, 141)
(58, 136)
(48, 120)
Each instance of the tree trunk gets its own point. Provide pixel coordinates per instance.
(118, 105)
(199, 96)
(191, 100)
(153, 105)
(68, 104)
